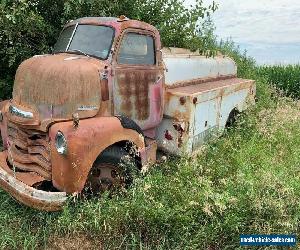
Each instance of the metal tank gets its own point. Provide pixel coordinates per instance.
(183, 65)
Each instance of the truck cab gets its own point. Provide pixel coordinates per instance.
(108, 92)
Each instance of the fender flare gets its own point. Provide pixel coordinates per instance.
(85, 144)
(129, 124)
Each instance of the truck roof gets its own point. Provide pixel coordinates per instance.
(118, 23)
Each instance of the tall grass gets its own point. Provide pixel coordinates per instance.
(285, 77)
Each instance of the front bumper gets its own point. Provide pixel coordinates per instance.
(15, 185)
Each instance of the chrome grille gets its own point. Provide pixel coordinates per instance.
(29, 150)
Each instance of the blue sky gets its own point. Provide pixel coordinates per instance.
(268, 29)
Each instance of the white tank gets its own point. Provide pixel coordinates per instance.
(183, 65)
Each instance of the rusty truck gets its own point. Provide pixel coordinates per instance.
(109, 91)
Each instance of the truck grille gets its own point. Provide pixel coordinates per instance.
(29, 150)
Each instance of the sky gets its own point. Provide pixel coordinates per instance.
(268, 29)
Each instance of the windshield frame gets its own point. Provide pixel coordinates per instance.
(73, 34)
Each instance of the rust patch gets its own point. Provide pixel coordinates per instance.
(53, 88)
(211, 85)
(199, 81)
(133, 89)
(182, 100)
(104, 90)
(181, 129)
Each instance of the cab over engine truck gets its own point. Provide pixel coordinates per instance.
(107, 92)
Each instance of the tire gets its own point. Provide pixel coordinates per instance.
(115, 168)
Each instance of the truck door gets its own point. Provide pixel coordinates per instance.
(138, 79)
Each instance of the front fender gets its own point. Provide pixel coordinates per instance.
(85, 144)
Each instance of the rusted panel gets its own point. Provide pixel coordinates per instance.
(53, 88)
(200, 86)
(199, 81)
(138, 89)
(139, 96)
(29, 150)
(173, 136)
(104, 90)
(206, 115)
(203, 92)
(69, 172)
(19, 186)
(133, 92)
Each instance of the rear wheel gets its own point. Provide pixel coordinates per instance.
(115, 168)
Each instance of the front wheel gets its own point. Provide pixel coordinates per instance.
(114, 168)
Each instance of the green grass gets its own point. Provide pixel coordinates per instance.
(286, 78)
(248, 181)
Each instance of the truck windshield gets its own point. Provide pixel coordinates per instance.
(85, 39)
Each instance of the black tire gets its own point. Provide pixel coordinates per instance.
(114, 158)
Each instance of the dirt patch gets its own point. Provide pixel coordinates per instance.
(73, 242)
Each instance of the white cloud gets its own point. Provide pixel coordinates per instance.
(256, 25)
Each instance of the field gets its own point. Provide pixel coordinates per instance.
(287, 78)
(248, 181)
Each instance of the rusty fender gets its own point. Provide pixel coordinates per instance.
(85, 144)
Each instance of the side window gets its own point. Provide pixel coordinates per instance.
(137, 49)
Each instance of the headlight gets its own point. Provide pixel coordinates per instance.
(61, 143)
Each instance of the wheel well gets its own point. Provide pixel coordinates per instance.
(232, 117)
(129, 147)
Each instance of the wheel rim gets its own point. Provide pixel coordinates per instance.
(104, 177)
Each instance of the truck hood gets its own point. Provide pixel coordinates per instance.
(53, 87)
